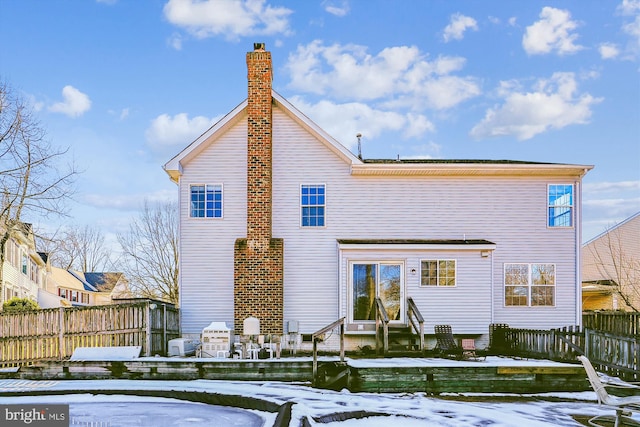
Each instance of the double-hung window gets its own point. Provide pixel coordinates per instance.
(529, 285)
(312, 205)
(441, 272)
(560, 205)
(206, 201)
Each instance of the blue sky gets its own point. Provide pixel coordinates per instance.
(126, 84)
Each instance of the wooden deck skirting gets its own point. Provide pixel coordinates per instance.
(432, 379)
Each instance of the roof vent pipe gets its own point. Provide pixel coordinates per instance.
(359, 136)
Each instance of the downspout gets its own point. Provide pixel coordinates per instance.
(493, 293)
(578, 240)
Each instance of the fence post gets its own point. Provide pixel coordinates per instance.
(61, 351)
(552, 344)
(148, 327)
(587, 338)
(164, 329)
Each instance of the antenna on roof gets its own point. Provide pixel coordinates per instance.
(359, 135)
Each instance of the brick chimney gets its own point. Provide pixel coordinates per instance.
(259, 259)
(259, 116)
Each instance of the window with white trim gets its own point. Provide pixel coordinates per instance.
(438, 272)
(529, 285)
(206, 201)
(560, 205)
(312, 205)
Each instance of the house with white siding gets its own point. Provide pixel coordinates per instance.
(280, 222)
(23, 272)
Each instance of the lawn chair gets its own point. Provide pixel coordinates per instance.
(622, 405)
(447, 345)
(469, 350)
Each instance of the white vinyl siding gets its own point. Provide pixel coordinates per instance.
(207, 247)
(416, 207)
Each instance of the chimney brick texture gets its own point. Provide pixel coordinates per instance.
(258, 258)
(259, 117)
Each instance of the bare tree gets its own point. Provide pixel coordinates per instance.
(33, 183)
(614, 259)
(79, 248)
(150, 252)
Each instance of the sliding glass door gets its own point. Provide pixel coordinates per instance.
(377, 279)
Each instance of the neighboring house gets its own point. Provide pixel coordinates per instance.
(24, 270)
(89, 288)
(281, 222)
(611, 268)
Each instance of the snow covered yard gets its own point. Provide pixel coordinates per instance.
(311, 407)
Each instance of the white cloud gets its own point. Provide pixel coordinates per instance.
(606, 186)
(344, 121)
(607, 203)
(175, 41)
(128, 202)
(552, 104)
(629, 7)
(337, 8)
(513, 21)
(608, 50)
(122, 114)
(458, 24)
(553, 32)
(74, 104)
(179, 130)
(229, 18)
(399, 76)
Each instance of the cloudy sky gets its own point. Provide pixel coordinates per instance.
(126, 84)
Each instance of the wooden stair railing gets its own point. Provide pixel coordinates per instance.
(316, 336)
(382, 318)
(416, 320)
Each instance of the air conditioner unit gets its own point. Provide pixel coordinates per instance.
(183, 347)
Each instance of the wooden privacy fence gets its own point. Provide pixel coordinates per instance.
(53, 334)
(616, 355)
(615, 322)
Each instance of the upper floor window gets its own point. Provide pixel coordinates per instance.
(560, 204)
(441, 272)
(312, 205)
(25, 264)
(529, 284)
(206, 201)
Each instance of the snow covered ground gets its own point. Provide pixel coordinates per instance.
(320, 407)
(91, 406)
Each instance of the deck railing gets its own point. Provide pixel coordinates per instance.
(416, 320)
(319, 336)
(382, 318)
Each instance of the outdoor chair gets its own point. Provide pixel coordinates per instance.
(447, 345)
(622, 405)
(469, 350)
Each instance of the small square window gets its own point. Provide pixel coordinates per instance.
(206, 201)
(438, 272)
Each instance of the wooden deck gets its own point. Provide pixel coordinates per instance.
(433, 376)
